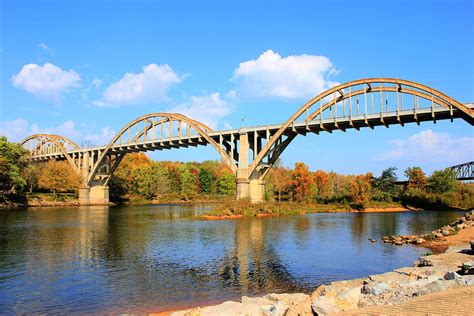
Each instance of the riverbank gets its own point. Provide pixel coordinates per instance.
(459, 231)
(429, 274)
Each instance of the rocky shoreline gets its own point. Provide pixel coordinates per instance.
(429, 274)
(451, 229)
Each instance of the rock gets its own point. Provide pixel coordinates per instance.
(452, 276)
(472, 244)
(438, 235)
(278, 309)
(365, 289)
(467, 280)
(420, 241)
(423, 262)
(437, 286)
(257, 300)
(398, 242)
(378, 288)
(446, 232)
(233, 308)
(348, 299)
(289, 299)
(324, 305)
(303, 308)
(460, 226)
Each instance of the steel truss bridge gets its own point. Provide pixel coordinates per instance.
(464, 171)
(250, 152)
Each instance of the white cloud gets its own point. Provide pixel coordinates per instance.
(66, 129)
(46, 48)
(209, 109)
(431, 147)
(46, 82)
(14, 130)
(103, 138)
(292, 77)
(150, 85)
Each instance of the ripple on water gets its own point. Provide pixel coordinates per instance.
(152, 258)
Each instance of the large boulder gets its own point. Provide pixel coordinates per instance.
(348, 299)
(325, 305)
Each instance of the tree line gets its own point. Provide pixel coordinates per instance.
(139, 177)
(440, 189)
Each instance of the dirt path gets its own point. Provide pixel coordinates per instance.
(451, 302)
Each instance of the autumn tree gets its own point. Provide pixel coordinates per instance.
(279, 179)
(361, 190)
(416, 179)
(58, 176)
(301, 182)
(321, 181)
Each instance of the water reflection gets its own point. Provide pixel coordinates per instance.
(151, 258)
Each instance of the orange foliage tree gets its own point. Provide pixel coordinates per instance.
(301, 182)
(58, 176)
(416, 179)
(279, 179)
(361, 190)
(321, 181)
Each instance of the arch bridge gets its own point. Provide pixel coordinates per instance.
(250, 152)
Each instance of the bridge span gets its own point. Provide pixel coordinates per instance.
(250, 152)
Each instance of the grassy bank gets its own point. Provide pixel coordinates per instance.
(246, 209)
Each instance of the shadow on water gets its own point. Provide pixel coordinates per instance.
(156, 257)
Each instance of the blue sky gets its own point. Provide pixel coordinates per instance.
(72, 68)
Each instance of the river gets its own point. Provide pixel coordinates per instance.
(158, 257)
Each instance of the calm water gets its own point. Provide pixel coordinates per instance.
(153, 258)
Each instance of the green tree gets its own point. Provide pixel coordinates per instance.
(160, 185)
(12, 163)
(384, 187)
(31, 174)
(226, 184)
(188, 182)
(206, 179)
(174, 177)
(442, 181)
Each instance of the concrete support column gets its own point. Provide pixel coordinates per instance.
(84, 195)
(99, 195)
(257, 190)
(243, 182)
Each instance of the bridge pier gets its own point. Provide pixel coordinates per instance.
(84, 196)
(94, 195)
(247, 187)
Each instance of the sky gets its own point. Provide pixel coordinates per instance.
(84, 69)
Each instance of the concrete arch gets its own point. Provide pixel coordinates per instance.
(151, 122)
(315, 107)
(47, 143)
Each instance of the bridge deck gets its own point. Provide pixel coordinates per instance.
(266, 131)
